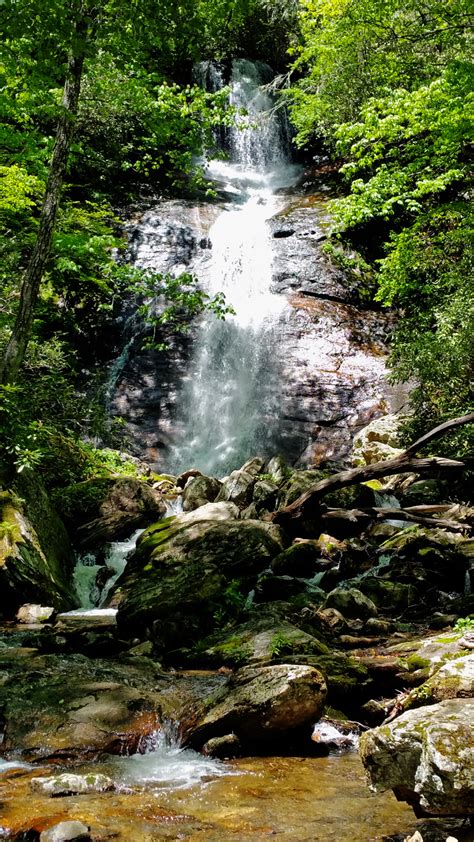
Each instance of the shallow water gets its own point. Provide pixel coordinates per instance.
(297, 799)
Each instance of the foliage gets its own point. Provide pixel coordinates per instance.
(388, 85)
(232, 603)
(464, 624)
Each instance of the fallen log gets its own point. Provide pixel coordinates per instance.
(378, 513)
(406, 462)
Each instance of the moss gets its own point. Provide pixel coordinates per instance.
(416, 662)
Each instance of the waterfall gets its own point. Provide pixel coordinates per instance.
(228, 408)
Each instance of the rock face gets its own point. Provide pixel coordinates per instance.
(263, 702)
(188, 569)
(427, 757)
(36, 559)
(329, 356)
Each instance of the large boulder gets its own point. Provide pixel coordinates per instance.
(427, 757)
(36, 559)
(187, 572)
(109, 509)
(264, 702)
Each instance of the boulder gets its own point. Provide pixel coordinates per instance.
(187, 573)
(453, 680)
(262, 702)
(225, 747)
(260, 642)
(297, 560)
(351, 603)
(427, 757)
(36, 559)
(278, 470)
(238, 488)
(265, 494)
(70, 784)
(200, 490)
(108, 509)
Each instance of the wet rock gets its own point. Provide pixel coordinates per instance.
(36, 559)
(73, 831)
(225, 747)
(335, 735)
(427, 757)
(30, 613)
(264, 701)
(200, 490)
(351, 603)
(70, 784)
(176, 581)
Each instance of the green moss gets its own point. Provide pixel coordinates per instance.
(416, 662)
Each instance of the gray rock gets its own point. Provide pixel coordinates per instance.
(351, 603)
(73, 831)
(224, 747)
(200, 490)
(238, 488)
(70, 784)
(427, 757)
(265, 701)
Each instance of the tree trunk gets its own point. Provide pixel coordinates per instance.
(18, 342)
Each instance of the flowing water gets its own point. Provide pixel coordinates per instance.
(228, 407)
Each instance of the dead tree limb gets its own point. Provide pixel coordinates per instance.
(377, 513)
(406, 462)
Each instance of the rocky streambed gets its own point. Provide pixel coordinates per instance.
(240, 664)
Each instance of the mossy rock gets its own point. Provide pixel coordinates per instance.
(297, 560)
(183, 571)
(259, 642)
(36, 559)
